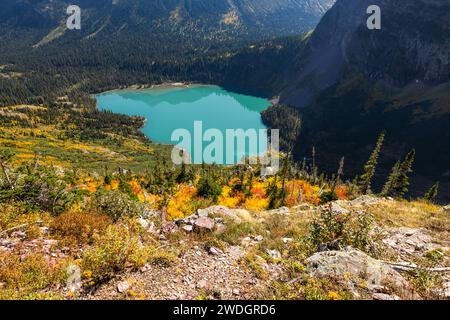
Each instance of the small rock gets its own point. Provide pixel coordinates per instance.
(19, 234)
(445, 292)
(162, 237)
(274, 254)
(188, 228)
(287, 240)
(215, 251)
(384, 296)
(220, 228)
(203, 212)
(259, 238)
(144, 223)
(236, 292)
(337, 208)
(123, 286)
(202, 284)
(50, 242)
(204, 223)
(169, 227)
(246, 241)
(44, 230)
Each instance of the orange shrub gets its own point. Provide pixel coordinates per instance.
(342, 192)
(299, 191)
(114, 185)
(75, 228)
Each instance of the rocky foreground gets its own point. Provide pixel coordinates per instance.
(222, 253)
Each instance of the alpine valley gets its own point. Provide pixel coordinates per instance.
(93, 207)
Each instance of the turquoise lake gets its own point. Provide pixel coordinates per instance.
(169, 109)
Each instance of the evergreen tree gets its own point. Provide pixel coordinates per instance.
(392, 180)
(208, 186)
(398, 182)
(185, 175)
(274, 194)
(405, 169)
(431, 194)
(365, 181)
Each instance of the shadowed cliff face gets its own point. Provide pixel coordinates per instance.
(412, 45)
(352, 83)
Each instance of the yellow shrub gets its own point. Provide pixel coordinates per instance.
(30, 273)
(114, 251)
(256, 204)
(181, 204)
(227, 200)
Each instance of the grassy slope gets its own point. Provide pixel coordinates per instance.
(51, 144)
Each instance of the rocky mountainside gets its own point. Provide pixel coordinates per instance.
(352, 83)
(411, 47)
(233, 254)
(113, 18)
(126, 42)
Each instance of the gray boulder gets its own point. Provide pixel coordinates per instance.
(359, 273)
(409, 241)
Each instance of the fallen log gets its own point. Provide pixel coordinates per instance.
(413, 267)
(19, 227)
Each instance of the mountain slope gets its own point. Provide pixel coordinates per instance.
(124, 42)
(352, 83)
(107, 18)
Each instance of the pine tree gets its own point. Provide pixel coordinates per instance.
(208, 185)
(273, 193)
(405, 169)
(185, 175)
(392, 180)
(398, 181)
(431, 194)
(370, 167)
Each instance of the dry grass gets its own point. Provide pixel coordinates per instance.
(406, 214)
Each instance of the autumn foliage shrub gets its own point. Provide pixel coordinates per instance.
(118, 249)
(78, 228)
(181, 204)
(29, 273)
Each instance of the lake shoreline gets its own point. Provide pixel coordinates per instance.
(162, 86)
